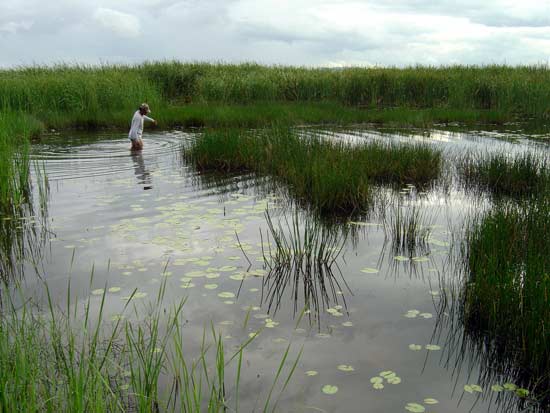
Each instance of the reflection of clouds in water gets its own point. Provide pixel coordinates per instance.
(142, 173)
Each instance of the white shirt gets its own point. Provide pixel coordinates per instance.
(136, 129)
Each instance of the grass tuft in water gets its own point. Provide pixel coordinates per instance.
(331, 176)
(502, 174)
(506, 297)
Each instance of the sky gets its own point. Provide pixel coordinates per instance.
(331, 33)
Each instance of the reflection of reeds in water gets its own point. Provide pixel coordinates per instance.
(408, 227)
(305, 253)
(24, 227)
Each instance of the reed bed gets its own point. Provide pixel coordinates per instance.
(57, 360)
(516, 175)
(505, 298)
(521, 89)
(329, 175)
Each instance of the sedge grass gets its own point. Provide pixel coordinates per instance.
(518, 175)
(71, 359)
(331, 176)
(506, 294)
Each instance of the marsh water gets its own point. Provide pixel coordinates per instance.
(122, 222)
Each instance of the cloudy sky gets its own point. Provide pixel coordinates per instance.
(296, 32)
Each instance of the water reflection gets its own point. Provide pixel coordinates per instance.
(142, 173)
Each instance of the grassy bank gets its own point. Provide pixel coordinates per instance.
(506, 296)
(331, 176)
(523, 90)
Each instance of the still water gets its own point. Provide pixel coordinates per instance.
(135, 221)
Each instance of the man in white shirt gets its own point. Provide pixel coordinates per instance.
(136, 129)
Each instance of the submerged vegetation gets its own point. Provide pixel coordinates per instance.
(331, 176)
(506, 294)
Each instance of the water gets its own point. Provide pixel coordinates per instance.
(138, 220)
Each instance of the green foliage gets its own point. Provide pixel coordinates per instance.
(331, 176)
(507, 294)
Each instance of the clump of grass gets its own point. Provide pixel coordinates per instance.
(502, 174)
(506, 296)
(305, 252)
(408, 227)
(331, 176)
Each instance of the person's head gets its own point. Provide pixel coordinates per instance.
(144, 109)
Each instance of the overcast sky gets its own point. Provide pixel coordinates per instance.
(294, 32)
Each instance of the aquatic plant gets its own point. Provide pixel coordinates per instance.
(504, 301)
(329, 175)
(504, 174)
(305, 253)
(73, 360)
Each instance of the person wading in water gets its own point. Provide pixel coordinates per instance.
(136, 129)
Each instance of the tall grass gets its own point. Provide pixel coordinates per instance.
(521, 174)
(73, 360)
(329, 175)
(506, 294)
(303, 258)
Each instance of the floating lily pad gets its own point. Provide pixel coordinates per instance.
(187, 285)
(401, 258)
(378, 386)
(368, 270)
(210, 286)
(522, 392)
(510, 386)
(415, 347)
(429, 400)
(345, 367)
(376, 379)
(415, 408)
(311, 373)
(432, 347)
(412, 313)
(114, 289)
(420, 259)
(394, 380)
(470, 388)
(347, 324)
(497, 388)
(426, 315)
(226, 294)
(386, 373)
(329, 389)
(99, 291)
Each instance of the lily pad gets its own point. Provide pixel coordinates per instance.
(376, 379)
(497, 388)
(522, 392)
(210, 286)
(429, 400)
(114, 289)
(329, 389)
(99, 291)
(347, 324)
(368, 270)
(510, 386)
(378, 386)
(432, 347)
(415, 347)
(311, 373)
(345, 367)
(394, 380)
(415, 408)
(401, 258)
(226, 294)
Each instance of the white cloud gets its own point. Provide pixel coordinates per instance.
(123, 24)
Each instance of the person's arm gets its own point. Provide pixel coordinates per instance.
(148, 119)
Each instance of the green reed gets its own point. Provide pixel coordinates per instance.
(506, 294)
(331, 176)
(71, 359)
(503, 174)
